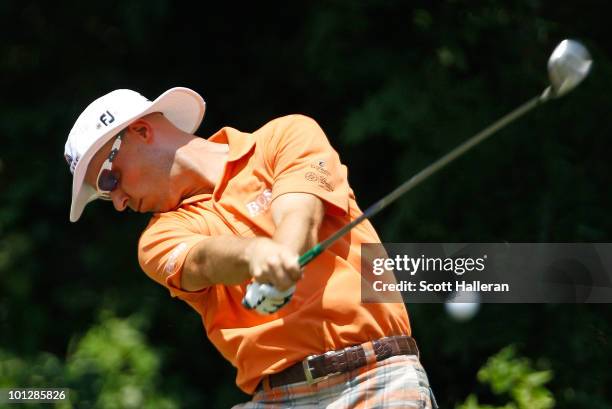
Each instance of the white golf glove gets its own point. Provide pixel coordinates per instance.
(265, 299)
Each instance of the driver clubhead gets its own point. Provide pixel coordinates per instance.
(568, 65)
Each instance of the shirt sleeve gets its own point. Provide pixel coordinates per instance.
(302, 160)
(162, 250)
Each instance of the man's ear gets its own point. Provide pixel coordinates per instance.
(142, 129)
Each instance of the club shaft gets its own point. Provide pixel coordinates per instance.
(422, 175)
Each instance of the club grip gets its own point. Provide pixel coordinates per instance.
(303, 260)
(309, 255)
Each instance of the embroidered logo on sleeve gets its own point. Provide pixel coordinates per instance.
(173, 257)
(319, 166)
(311, 176)
(260, 204)
(319, 175)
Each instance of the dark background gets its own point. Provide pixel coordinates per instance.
(394, 84)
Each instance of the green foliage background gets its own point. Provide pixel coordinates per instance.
(394, 84)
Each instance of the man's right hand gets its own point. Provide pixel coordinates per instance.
(266, 299)
(273, 263)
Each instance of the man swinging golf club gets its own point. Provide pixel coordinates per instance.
(243, 206)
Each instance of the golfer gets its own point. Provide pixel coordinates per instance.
(238, 207)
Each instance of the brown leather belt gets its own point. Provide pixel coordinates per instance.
(317, 367)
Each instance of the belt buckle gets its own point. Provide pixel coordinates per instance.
(310, 380)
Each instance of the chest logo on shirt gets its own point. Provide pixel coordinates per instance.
(260, 204)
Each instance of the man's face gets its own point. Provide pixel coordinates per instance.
(142, 184)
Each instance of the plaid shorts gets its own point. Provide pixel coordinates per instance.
(396, 382)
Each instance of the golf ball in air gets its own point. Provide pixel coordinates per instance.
(464, 306)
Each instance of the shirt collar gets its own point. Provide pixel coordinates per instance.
(240, 144)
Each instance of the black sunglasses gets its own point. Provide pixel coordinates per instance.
(108, 180)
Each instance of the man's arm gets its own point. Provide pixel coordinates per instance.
(297, 217)
(232, 260)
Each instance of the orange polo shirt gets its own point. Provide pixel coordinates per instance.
(288, 154)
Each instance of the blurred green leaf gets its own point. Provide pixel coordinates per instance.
(509, 375)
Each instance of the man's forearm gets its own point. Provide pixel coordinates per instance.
(298, 217)
(232, 260)
(225, 259)
(218, 260)
(297, 231)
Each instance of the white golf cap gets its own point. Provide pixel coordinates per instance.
(107, 116)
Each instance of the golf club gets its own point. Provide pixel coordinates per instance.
(568, 65)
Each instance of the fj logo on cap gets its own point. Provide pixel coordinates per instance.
(107, 118)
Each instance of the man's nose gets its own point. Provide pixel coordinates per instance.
(120, 199)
